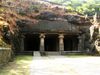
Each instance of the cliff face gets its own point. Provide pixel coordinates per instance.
(32, 14)
(3, 36)
(32, 11)
(37, 9)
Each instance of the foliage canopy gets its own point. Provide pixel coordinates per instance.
(81, 6)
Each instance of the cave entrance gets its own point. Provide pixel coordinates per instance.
(51, 43)
(70, 43)
(31, 42)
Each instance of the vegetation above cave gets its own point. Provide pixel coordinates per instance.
(81, 6)
(34, 10)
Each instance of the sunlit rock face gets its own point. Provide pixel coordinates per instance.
(95, 33)
(4, 32)
(97, 45)
(3, 22)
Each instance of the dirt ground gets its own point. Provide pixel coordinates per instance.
(53, 65)
(66, 65)
(20, 66)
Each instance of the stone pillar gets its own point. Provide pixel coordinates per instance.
(42, 44)
(61, 43)
(22, 43)
(81, 43)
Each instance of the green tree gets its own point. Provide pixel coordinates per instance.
(82, 6)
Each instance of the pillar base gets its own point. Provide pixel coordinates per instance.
(42, 53)
(61, 53)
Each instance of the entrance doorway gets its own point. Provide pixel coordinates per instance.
(70, 43)
(51, 43)
(31, 42)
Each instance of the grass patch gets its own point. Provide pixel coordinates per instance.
(20, 66)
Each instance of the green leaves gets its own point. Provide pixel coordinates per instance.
(82, 6)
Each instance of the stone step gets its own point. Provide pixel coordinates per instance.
(52, 53)
(25, 53)
(72, 52)
(37, 53)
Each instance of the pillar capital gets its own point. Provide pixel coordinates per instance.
(79, 37)
(22, 36)
(61, 36)
(42, 35)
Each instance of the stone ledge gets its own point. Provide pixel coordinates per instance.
(5, 55)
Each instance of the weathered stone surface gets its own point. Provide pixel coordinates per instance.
(5, 55)
(45, 25)
(77, 19)
(46, 15)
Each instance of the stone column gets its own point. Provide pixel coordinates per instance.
(61, 43)
(42, 44)
(81, 43)
(22, 43)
